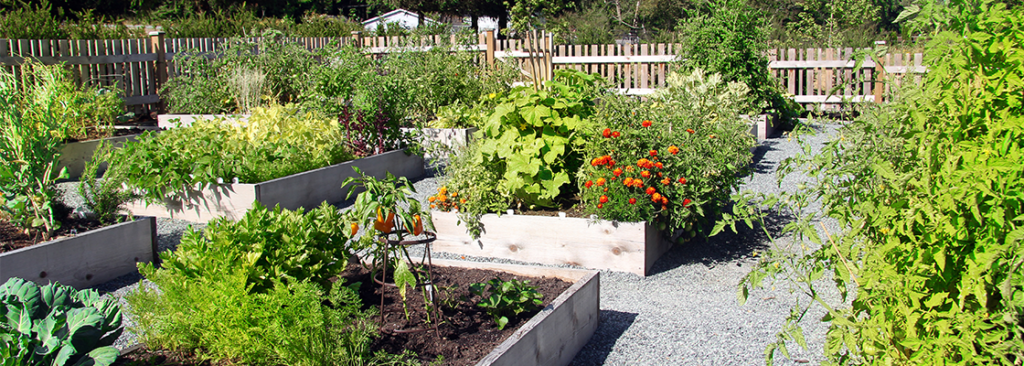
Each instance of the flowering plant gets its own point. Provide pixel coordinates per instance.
(649, 164)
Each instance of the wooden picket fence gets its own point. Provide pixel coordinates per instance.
(140, 66)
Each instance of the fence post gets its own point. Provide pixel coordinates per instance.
(879, 75)
(489, 40)
(357, 38)
(156, 40)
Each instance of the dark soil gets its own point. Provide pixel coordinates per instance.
(13, 237)
(464, 335)
(572, 208)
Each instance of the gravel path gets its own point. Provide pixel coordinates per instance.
(684, 313)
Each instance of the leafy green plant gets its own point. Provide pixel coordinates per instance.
(927, 190)
(468, 187)
(535, 138)
(56, 325)
(51, 89)
(273, 142)
(507, 298)
(103, 197)
(267, 245)
(29, 156)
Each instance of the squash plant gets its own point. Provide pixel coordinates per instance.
(535, 137)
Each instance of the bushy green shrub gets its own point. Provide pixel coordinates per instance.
(274, 142)
(257, 291)
(56, 325)
(672, 161)
(928, 192)
(50, 89)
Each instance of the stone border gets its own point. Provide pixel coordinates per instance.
(307, 189)
(87, 259)
(597, 244)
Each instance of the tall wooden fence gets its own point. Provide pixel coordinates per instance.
(140, 66)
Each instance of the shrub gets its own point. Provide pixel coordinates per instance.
(673, 161)
(928, 192)
(274, 142)
(56, 325)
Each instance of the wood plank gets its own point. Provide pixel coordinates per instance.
(645, 69)
(791, 88)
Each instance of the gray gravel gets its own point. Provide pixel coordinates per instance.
(685, 312)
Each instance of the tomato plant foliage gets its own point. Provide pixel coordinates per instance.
(930, 189)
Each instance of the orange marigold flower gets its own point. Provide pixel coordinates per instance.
(612, 178)
(632, 201)
(617, 172)
(607, 133)
(659, 174)
(626, 182)
(443, 191)
(616, 134)
(588, 184)
(600, 205)
(673, 150)
(442, 198)
(664, 200)
(462, 200)
(686, 202)
(690, 130)
(659, 165)
(603, 199)
(656, 197)
(651, 190)
(664, 207)
(645, 174)
(594, 162)
(682, 180)
(433, 206)
(455, 194)
(646, 123)
(666, 181)
(600, 182)
(653, 152)
(431, 198)
(637, 183)
(629, 168)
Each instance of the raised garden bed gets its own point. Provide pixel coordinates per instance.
(307, 189)
(551, 337)
(74, 155)
(763, 126)
(167, 121)
(616, 246)
(86, 259)
(449, 137)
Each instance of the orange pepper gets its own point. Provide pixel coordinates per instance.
(384, 226)
(418, 226)
(355, 228)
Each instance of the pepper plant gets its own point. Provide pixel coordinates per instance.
(506, 298)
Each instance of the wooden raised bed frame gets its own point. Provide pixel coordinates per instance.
(87, 259)
(597, 244)
(74, 155)
(307, 189)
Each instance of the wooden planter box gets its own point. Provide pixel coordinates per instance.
(556, 334)
(85, 260)
(450, 137)
(307, 189)
(74, 155)
(169, 121)
(763, 126)
(616, 246)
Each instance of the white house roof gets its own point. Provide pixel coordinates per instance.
(398, 15)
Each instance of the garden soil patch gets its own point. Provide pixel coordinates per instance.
(13, 237)
(464, 335)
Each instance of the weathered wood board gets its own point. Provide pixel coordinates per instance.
(597, 244)
(87, 259)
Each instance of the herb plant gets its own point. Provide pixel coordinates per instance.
(56, 325)
(928, 192)
(29, 155)
(257, 291)
(506, 298)
(105, 198)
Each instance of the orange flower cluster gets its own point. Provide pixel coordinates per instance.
(608, 133)
(646, 123)
(445, 200)
(603, 160)
(673, 150)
